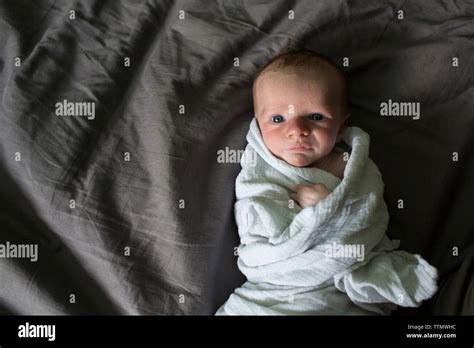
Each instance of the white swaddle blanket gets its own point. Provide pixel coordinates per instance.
(326, 259)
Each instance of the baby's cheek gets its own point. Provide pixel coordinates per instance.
(327, 138)
(273, 143)
(326, 132)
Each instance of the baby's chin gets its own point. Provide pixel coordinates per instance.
(299, 160)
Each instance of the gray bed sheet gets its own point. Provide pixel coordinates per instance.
(131, 211)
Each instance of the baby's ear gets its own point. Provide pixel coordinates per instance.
(343, 125)
(346, 120)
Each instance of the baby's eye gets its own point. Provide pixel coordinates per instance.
(277, 119)
(316, 117)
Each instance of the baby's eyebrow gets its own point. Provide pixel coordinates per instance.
(324, 113)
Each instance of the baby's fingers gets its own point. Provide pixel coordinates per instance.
(301, 186)
(294, 196)
(296, 188)
(306, 190)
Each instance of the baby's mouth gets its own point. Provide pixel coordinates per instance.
(299, 148)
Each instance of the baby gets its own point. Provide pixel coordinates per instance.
(300, 103)
(328, 254)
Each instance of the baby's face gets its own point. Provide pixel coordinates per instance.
(298, 115)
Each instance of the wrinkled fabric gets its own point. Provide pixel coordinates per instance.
(172, 203)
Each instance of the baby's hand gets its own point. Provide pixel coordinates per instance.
(306, 195)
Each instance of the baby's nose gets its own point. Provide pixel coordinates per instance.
(298, 128)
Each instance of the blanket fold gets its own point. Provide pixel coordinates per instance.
(330, 258)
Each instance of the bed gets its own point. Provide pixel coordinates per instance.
(113, 113)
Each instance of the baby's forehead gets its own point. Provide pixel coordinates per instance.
(297, 83)
(323, 76)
